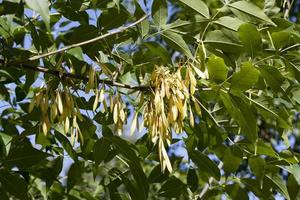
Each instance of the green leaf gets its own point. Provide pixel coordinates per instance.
(23, 155)
(265, 149)
(20, 94)
(241, 112)
(119, 18)
(197, 5)
(261, 106)
(231, 23)
(231, 161)
(245, 78)
(42, 7)
(2, 149)
(5, 29)
(192, 179)
(279, 184)
(3, 194)
(157, 176)
(205, 165)
(281, 39)
(48, 171)
(176, 41)
(13, 184)
(77, 53)
(134, 163)
(273, 77)
(172, 188)
(144, 27)
(160, 12)
(251, 9)
(101, 150)
(250, 38)
(253, 186)
(217, 39)
(74, 175)
(236, 192)
(158, 50)
(295, 170)
(66, 145)
(217, 68)
(257, 165)
(293, 187)
(130, 187)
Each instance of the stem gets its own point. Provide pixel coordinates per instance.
(78, 77)
(288, 48)
(89, 41)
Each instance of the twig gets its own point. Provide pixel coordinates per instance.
(290, 47)
(89, 41)
(78, 77)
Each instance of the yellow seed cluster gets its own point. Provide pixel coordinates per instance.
(57, 106)
(166, 110)
(168, 107)
(119, 113)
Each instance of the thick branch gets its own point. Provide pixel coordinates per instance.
(79, 77)
(89, 41)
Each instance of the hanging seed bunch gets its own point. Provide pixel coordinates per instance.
(117, 106)
(168, 107)
(118, 109)
(57, 106)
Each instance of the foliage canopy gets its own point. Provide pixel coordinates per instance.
(184, 99)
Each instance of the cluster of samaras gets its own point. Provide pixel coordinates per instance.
(167, 108)
(57, 106)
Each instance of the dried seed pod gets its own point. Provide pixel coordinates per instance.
(31, 105)
(44, 104)
(164, 157)
(168, 106)
(59, 103)
(66, 125)
(101, 95)
(197, 106)
(133, 124)
(111, 103)
(104, 105)
(91, 82)
(73, 137)
(45, 125)
(96, 101)
(44, 128)
(192, 121)
(53, 111)
(38, 97)
(121, 113)
(115, 113)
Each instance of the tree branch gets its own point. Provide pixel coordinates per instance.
(78, 77)
(89, 41)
